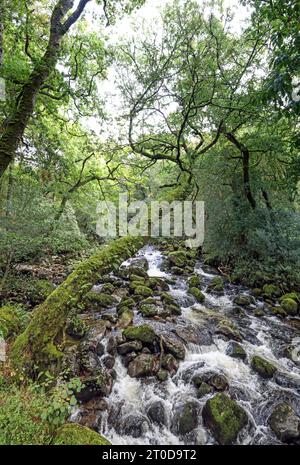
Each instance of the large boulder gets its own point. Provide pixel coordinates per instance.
(235, 350)
(216, 285)
(186, 418)
(243, 300)
(72, 434)
(157, 413)
(197, 294)
(224, 418)
(131, 346)
(174, 347)
(271, 291)
(264, 368)
(143, 333)
(290, 306)
(285, 423)
(143, 365)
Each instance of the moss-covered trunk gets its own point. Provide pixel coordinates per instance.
(39, 347)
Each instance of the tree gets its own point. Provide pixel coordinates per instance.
(190, 88)
(42, 66)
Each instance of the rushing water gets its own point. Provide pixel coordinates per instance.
(126, 420)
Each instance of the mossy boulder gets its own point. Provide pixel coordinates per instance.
(228, 329)
(204, 389)
(108, 288)
(194, 281)
(224, 418)
(257, 292)
(10, 321)
(126, 318)
(290, 306)
(243, 300)
(285, 423)
(271, 291)
(136, 278)
(264, 368)
(235, 350)
(167, 299)
(157, 284)
(126, 303)
(291, 295)
(143, 291)
(173, 309)
(178, 258)
(216, 285)
(149, 310)
(197, 294)
(72, 434)
(143, 333)
(100, 300)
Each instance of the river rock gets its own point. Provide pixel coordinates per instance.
(235, 350)
(99, 349)
(126, 359)
(224, 418)
(108, 361)
(243, 300)
(194, 281)
(157, 413)
(126, 318)
(134, 425)
(290, 306)
(284, 422)
(216, 285)
(95, 386)
(131, 346)
(186, 418)
(218, 382)
(195, 335)
(149, 311)
(229, 330)
(143, 333)
(169, 362)
(203, 390)
(143, 365)
(271, 291)
(264, 368)
(174, 347)
(197, 294)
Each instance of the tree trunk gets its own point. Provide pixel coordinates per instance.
(246, 171)
(15, 125)
(40, 346)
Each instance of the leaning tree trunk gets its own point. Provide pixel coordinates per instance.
(15, 125)
(1, 31)
(40, 347)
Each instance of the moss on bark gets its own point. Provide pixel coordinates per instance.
(40, 346)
